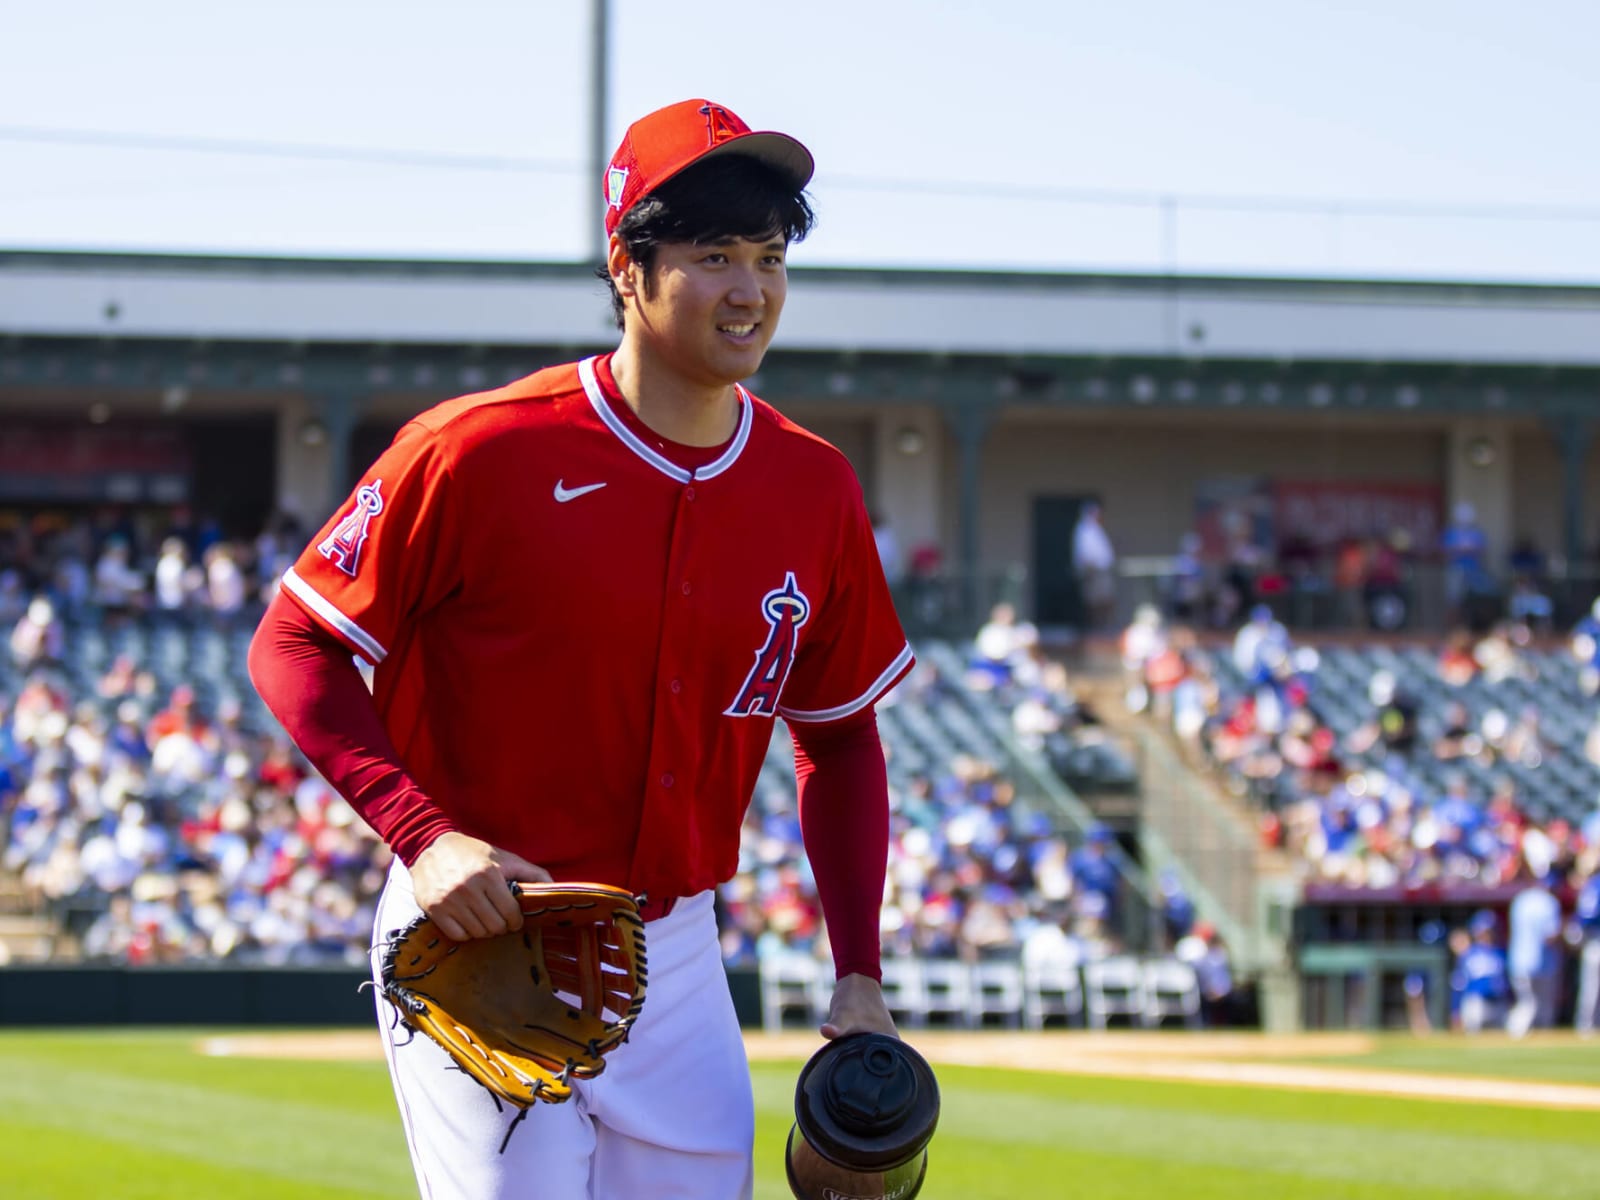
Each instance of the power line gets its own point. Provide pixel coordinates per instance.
(201, 145)
(958, 189)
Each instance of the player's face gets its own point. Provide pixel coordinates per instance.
(712, 307)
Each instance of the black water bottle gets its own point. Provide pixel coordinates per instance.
(865, 1108)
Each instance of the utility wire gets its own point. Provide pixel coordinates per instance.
(1105, 197)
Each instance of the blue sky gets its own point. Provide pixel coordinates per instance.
(1413, 138)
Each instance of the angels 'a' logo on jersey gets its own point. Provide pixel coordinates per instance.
(342, 547)
(786, 609)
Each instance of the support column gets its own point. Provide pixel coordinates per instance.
(1574, 435)
(907, 469)
(970, 422)
(1479, 473)
(314, 436)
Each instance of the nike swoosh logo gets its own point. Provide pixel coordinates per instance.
(563, 493)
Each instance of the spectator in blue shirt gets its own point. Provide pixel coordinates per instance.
(1465, 550)
(1479, 978)
(1094, 869)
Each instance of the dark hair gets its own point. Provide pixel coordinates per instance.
(727, 196)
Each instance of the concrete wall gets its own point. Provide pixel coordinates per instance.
(1147, 471)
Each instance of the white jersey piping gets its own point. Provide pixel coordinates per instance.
(900, 663)
(591, 387)
(314, 600)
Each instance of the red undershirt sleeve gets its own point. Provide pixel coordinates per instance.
(310, 683)
(844, 819)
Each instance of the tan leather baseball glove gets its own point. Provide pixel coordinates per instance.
(526, 1013)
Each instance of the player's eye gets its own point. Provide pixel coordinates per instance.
(716, 257)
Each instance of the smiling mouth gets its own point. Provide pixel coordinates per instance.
(739, 330)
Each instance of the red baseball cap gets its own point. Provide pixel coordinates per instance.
(658, 146)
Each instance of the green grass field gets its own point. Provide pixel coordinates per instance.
(132, 1115)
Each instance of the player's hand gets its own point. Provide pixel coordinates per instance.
(857, 1007)
(462, 884)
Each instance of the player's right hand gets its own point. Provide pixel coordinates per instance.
(460, 882)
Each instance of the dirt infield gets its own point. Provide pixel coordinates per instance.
(1240, 1060)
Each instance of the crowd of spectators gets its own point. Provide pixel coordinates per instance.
(159, 833)
(120, 564)
(1362, 808)
(1406, 798)
(1382, 583)
(164, 822)
(971, 874)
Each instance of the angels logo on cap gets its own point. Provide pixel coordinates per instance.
(660, 145)
(616, 182)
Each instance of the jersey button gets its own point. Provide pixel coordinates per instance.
(677, 686)
(688, 493)
(667, 780)
(686, 588)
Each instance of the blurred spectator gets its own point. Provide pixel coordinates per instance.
(1094, 563)
(38, 638)
(1479, 976)
(888, 548)
(175, 582)
(1465, 550)
(1177, 910)
(1203, 950)
(1002, 645)
(225, 581)
(1096, 879)
(1584, 646)
(118, 587)
(1586, 918)
(1458, 666)
(1257, 643)
(1393, 723)
(1186, 600)
(1533, 959)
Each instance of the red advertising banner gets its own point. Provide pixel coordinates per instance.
(42, 462)
(1326, 514)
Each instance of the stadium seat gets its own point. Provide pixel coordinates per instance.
(1114, 987)
(1171, 989)
(997, 992)
(903, 992)
(947, 991)
(1051, 988)
(788, 980)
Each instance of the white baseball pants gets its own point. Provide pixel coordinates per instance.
(670, 1117)
(1588, 986)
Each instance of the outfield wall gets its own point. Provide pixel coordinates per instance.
(220, 995)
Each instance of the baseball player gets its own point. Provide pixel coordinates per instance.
(1586, 915)
(587, 596)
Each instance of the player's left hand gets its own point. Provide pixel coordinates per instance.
(858, 1007)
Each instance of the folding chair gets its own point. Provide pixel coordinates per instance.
(1114, 987)
(903, 992)
(1171, 989)
(947, 990)
(1050, 988)
(787, 980)
(997, 992)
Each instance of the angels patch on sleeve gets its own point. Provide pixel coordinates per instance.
(342, 546)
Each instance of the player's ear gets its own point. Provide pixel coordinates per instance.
(622, 266)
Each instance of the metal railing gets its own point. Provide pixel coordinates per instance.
(1212, 849)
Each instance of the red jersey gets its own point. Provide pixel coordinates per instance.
(581, 646)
